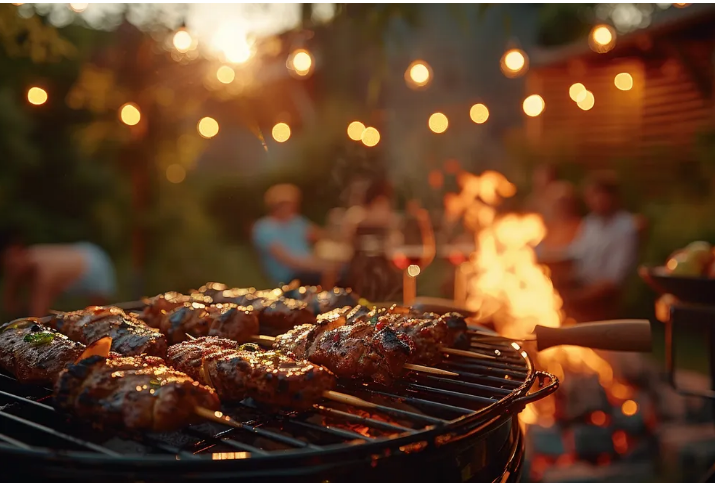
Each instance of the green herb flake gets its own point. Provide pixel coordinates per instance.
(39, 338)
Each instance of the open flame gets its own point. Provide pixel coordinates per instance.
(507, 285)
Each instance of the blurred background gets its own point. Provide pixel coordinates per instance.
(154, 131)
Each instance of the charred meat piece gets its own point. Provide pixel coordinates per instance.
(158, 306)
(323, 301)
(457, 326)
(427, 336)
(280, 315)
(271, 377)
(220, 293)
(138, 393)
(130, 336)
(35, 354)
(350, 351)
(198, 320)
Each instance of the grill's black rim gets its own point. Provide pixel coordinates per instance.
(472, 425)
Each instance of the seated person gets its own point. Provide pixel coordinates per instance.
(565, 222)
(283, 239)
(49, 271)
(605, 253)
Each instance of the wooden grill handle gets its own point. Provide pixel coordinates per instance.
(613, 335)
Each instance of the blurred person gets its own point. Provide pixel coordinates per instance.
(284, 239)
(562, 227)
(605, 252)
(537, 201)
(49, 271)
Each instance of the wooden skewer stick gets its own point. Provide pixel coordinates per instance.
(462, 353)
(267, 340)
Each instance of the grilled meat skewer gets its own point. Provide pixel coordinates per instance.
(35, 354)
(158, 306)
(130, 336)
(230, 321)
(237, 372)
(139, 393)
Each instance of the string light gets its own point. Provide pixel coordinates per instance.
(479, 113)
(370, 137)
(413, 270)
(300, 62)
(418, 74)
(36, 96)
(129, 114)
(225, 74)
(576, 90)
(534, 105)
(182, 40)
(175, 173)
(207, 127)
(281, 132)
(623, 81)
(79, 7)
(514, 63)
(587, 102)
(438, 123)
(355, 130)
(602, 38)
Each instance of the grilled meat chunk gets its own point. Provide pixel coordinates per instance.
(35, 354)
(198, 320)
(157, 307)
(130, 336)
(138, 393)
(279, 315)
(271, 377)
(320, 302)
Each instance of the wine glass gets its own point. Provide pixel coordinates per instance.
(458, 253)
(413, 250)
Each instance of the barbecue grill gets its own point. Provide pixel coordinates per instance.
(424, 427)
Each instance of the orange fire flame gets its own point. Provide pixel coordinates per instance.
(507, 284)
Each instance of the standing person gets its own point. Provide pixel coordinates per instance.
(284, 239)
(605, 252)
(52, 270)
(564, 224)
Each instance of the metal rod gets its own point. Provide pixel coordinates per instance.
(372, 423)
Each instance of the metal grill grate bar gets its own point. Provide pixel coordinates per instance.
(454, 394)
(502, 371)
(421, 402)
(14, 442)
(276, 437)
(342, 433)
(470, 385)
(369, 422)
(222, 439)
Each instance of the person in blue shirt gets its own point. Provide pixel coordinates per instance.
(284, 239)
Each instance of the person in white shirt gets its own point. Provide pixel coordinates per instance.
(605, 253)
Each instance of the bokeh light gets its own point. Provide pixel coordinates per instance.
(370, 137)
(438, 123)
(479, 113)
(182, 40)
(207, 127)
(514, 63)
(175, 173)
(300, 62)
(602, 38)
(623, 81)
(586, 103)
(413, 270)
(355, 130)
(629, 408)
(534, 105)
(225, 74)
(281, 132)
(232, 43)
(79, 7)
(576, 90)
(681, 5)
(418, 74)
(37, 96)
(129, 114)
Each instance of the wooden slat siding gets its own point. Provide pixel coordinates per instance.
(654, 122)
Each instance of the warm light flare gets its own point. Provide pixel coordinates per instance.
(479, 113)
(355, 130)
(576, 90)
(129, 114)
(598, 418)
(300, 62)
(418, 74)
(232, 43)
(225, 74)
(79, 7)
(281, 132)
(182, 40)
(36, 96)
(623, 81)
(534, 105)
(586, 101)
(370, 137)
(514, 63)
(438, 123)
(413, 270)
(602, 38)
(629, 408)
(208, 127)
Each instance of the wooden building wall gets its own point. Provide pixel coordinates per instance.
(653, 125)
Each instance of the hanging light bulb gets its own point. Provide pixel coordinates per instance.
(36, 96)
(418, 74)
(355, 130)
(533, 105)
(183, 41)
(129, 114)
(281, 132)
(602, 38)
(300, 63)
(514, 63)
